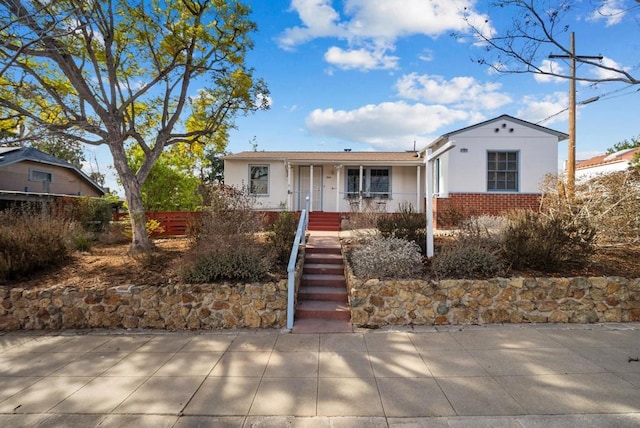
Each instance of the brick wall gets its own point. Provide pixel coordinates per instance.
(448, 212)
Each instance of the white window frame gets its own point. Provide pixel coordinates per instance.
(366, 183)
(252, 179)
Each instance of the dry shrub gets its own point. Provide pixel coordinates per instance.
(31, 241)
(386, 258)
(475, 252)
(466, 258)
(548, 240)
(224, 244)
(406, 224)
(611, 202)
(282, 234)
(363, 222)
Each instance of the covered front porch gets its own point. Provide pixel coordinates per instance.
(338, 187)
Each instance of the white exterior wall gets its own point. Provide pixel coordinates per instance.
(404, 185)
(467, 172)
(236, 174)
(590, 172)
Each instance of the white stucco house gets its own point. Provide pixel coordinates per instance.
(494, 165)
(605, 164)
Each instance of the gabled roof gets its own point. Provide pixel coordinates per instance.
(608, 158)
(411, 158)
(445, 137)
(11, 155)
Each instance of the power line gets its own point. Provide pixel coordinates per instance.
(602, 97)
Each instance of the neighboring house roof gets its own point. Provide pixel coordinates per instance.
(608, 158)
(346, 157)
(11, 155)
(445, 137)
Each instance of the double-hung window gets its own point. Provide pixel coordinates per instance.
(502, 171)
(259, 180)
(376, 182)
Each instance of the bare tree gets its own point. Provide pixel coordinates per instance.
(538, 28)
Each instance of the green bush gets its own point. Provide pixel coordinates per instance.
(546, 242)
(466, 258)
(31, 241)
(94, 214)
(406, 224)
(282, 235)
(242, 262)
(388, 257)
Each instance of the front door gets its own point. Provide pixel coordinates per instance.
(305, 187)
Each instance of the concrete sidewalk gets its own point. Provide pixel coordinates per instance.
(513, 376)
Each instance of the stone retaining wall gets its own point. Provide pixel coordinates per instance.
(376, 303)
(170, 307)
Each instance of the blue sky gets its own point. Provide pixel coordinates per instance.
(383, 75)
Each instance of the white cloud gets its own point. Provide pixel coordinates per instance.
(611, 11)
(383, 19)
(371, 27)
(601, 73)
(462, 91)
(538, 109)
(391, 125)
(319, 19)
(360, 59)
(549, 66)
(426, 55)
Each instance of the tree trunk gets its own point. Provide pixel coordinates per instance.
(140, 241)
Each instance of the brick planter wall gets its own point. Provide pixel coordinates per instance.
(376, 303)
(448, 212)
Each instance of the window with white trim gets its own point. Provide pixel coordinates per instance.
(376, 182)
(502, 171)
(259, 180)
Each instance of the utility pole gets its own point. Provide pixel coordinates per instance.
(571, 155)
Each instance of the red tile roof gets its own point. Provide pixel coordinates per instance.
(608, 158)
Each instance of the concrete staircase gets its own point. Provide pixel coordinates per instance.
(322, 298)
(324, 221)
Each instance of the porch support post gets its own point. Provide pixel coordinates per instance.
(310, 188)
(338, 168)
(428, 176)
(418, 204)
(429, 157)
(289, 188)
(360, 188)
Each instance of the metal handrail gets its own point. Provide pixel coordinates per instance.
(291, 267)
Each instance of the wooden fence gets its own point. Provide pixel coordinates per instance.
(175, 223)
(178, 223)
